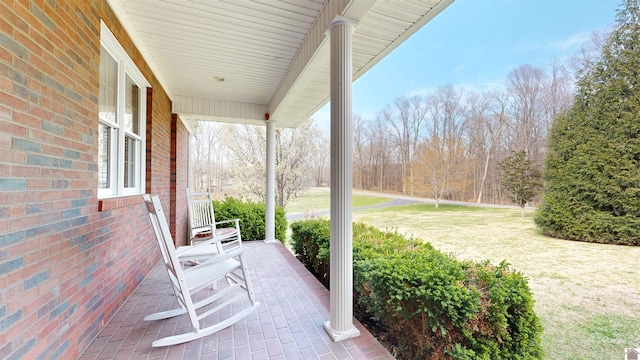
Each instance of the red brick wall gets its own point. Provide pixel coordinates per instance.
(159, 148)
(179, 179)
(66, 266)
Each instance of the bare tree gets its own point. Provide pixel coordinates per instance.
(559, 91)
(486, 116)
(525, 84)
(319, 157)
(442, 164)
(209, 158)
(294, 150)
(582, 62)
(405, 118)
(383, 158)
(360, 151)
(247, 162)
(294, 168)
(441, 170)
(557, 99)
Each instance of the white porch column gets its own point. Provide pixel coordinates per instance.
(340, 325)
(270, 220)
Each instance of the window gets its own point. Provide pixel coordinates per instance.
(122, 111)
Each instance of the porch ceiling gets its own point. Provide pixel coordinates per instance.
(272, 54)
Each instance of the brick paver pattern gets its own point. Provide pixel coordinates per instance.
(287, 325)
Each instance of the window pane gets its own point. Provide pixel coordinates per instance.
(130, 162)
(108, 86)
(122, 100)
(131, 111)
(104, 144)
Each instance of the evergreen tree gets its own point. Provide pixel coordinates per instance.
(592, 170)
(520, 177)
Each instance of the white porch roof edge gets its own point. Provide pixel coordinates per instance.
(284, 67)
(192, 109)
(318, 64)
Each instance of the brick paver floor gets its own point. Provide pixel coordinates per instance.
(287, 325)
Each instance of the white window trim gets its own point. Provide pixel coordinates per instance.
(126, 66)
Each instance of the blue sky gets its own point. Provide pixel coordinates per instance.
(475, 44)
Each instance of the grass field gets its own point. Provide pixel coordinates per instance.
(587, 295)
(317, 199)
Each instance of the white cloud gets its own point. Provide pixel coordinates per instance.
(459, 68)
(570, 42)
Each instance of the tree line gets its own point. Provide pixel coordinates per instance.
(448, 144)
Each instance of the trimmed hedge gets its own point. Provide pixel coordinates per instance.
(432, 305)
(252, 217)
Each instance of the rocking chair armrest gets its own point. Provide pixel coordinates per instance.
(237, 221)
(201, 227)
(217, 259)
(225, 233)
(208, 241)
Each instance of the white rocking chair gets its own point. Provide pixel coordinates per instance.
(186, 283)
(203, 225)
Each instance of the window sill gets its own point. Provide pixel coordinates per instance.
(118, 202)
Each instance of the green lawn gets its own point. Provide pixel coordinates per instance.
(317, 199)
(587, 295)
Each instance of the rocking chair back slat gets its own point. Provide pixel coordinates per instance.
(202, 221)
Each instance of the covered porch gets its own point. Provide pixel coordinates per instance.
(288, 324)
(75, 240)
(274, 64)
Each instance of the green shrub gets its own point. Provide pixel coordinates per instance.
(592, 167)
(310, 241)
(252, 217)
(432, 305)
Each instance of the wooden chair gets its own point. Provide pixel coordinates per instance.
(203, 225)
(186, 283)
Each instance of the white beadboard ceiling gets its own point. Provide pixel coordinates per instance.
(272, 54)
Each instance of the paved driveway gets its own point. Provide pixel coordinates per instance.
(396, 200)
